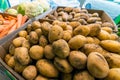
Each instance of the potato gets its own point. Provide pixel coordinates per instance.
(78, 59)
(82, 21)
(94, 29)
(46, 26)
(33, 37)
(46, 68)
(17, 42)
(60, 9)
(81, 30)
(39, 32)
(108, 24)
(63, 25)
(81, 16)
(48, 52)
(43, 41)
(22, 56)
(95, 15)
(66, 76)
(74, 24)
(77, 10)
(22, 33)
(11, 49)
(69, 28)
(84, 75)
(103, 35)
(35, 25)
(89, 40)
(113, 74)
(96, 40)
(62, 65)
(68, 9)
(113, 60)
(61, 48)
(55, 13)
(11, 62)
(67, 35)
(26, 44)
(29, 28)
(110, 45)
(30, 72)
(36, 52)
(108, 29)
(7, 57)
(98, 70)
(77, 42)
(88, 48)
(57, 31)
(52, 17)
(40, 77)
(65, 16)
(18, 67)
(93, 19)
(114, 36)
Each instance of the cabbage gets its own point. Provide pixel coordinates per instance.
(21, 8)
(12, 11)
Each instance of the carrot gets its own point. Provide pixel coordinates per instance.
(6, 22)
(12, 29)
(19, 20)
(1, 28)
(7, 28)
(24, 18)
(1, 17)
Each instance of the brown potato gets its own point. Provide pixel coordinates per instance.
(36, 52)
(43, 41)
(62, 65)
(7, 57)
(29, 28)
(113, 74)
(96, 40)
(33, 37)
(78, 59)
(68, 9)
(82, 21)
(35, 25)
(98, 70)
(61, 48)
(108, 24)
(95, 15)
(77, 10)
(81, 30)
(67, 35)
(81, 16)
(103, 35)
(46, 68)
(93, 19)
(26, 44)
(40, 77)
(89, 40)
(111, 45)
(114, 36)
(83, 75)
(30, 72)
(65, 16)
(39, 32)
(11, 62)
(11, 49)
(55, 33)
(22, 56)
(77, 42)
(74, 24)
(65, 76)
(23, 33)
(48, 52)
(108, 29)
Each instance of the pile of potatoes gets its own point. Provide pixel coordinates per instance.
(83, 49)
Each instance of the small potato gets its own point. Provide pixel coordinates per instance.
(39, 32)
(61, 48)
(26, 44)
(78, 59)
(111, 45)
(43, 41)
(108, 24)
(48, 52)
(77, 42)
(94, 29)
(55, 13)
(77, 10)
(55, 33)
(67, 35)
(46, 68)
(95, 15)
(84, 75)
(81, 16)
(7, 57)
(17, 42)
(65, 76)
(82, 21)
(36, 52)
(33, 37)
(22, 56)
(114, 36)
(96, 40)
(60, 9)
(63, 25)
(103, 35)
(81, 30)
(11, 49)
(11, 62)
(62, 65)
(93, 19)
(45, 27)
(74, 24)
(30, 72)
(52, 17)
(89, 40)
(65, 16)
(18, 67)
(29, 28)
(108, 29)
(69, 28)
(36, 25)
(68, 9)
(40, 77)
(98, 70)
(113, 74)
(22, 33)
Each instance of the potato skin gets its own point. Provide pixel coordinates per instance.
(29, 72)
(61, 48)
(83, 75)
(35, 25)
(108, 29)
(62, 65)
(65, 76)
(7, 57)
(43, 41)
(98, 70)
(77, 42)
(46, 68)
(114, 36)
(78, 59)
(40, 77)
(67, 35)
(11, 62)
(36, 52)
(22, 56)
(23, 33)
(33, 37)
(113, 74)
(111, 45)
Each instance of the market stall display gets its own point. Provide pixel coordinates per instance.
(60, 47)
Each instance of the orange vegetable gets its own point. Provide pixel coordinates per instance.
(19, 20)
(24, 19)
(12, 29)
